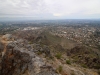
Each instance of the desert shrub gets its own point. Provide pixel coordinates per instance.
(58, 55)
(68, 62)
(72, 74)
(39, 52)
(30, 42)
(99, 72)
(60, 68)
(83, 65)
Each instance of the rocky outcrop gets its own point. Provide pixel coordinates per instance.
(7, 37)
(20, 59)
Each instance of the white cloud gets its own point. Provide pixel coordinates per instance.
(58, 8)
(57, 14)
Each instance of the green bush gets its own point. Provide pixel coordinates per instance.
(58, 56)
(68, 62)
(39, 52)
(30, 42)
(60, 68)
(83, 65)
(72, 74)
(99, 72)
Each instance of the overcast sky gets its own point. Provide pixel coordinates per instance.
(50, 9)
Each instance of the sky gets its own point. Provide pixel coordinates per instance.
(49, 9)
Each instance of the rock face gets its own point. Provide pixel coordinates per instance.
(20, 60)
(14, 62)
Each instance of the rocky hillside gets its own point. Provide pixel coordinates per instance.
(19, 56)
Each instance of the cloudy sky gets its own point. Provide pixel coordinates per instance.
(49, 9)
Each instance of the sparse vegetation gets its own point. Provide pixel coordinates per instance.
(39, 53)
(68, 62)
(83, 65)
(72, 74)
(60, 68)
(30, 42)
(99, 72)
(58, 55)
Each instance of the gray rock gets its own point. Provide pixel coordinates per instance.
(19, 59)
